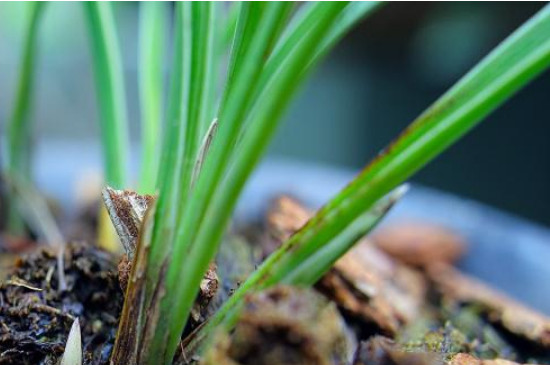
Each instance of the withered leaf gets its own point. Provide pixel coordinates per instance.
(126, 209)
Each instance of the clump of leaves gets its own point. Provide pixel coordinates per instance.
(213, 138)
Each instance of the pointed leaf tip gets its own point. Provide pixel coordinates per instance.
(73, 348)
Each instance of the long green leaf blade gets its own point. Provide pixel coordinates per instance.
(524, 55)
(311, 270)
(111, 97)
(250, 66)
(201, 83)
(19, 128)
(308, 272)
(232, 116)
(189, 272)
(153, 17)
(173, 142)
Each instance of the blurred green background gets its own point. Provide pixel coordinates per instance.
(378, 80)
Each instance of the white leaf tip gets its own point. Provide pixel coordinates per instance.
(73, 348)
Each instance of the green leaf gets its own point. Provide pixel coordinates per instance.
(18, 127)
(176, 120)
(110, 93)
(524, 55)
(308, 272)
(153, 17)
(230, 121)
(306, 15)
(202, 45)
(232, 112)
(189, 264)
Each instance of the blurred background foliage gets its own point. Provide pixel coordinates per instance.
(377, 80)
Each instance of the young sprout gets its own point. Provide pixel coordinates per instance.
(73, 349)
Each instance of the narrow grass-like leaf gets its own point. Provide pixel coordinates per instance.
(19, 128)
(245, 29)
(515, 62)
(233, 109)
(266, 115)
(19, 131)
(304, 17)
(230, 121)
(308, 272)
(153, 17)
(202, 43)
(226, 15)
(110, 93)
(73, 349)
(230, 25)
(311, 270)
(190, 100)
(174, 135)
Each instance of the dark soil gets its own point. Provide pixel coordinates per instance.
(35, 316)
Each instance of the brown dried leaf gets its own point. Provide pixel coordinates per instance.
(513, 316)
(131, 215)
(126, 209)
(208, 288)
(128, 340)
(419, 244)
